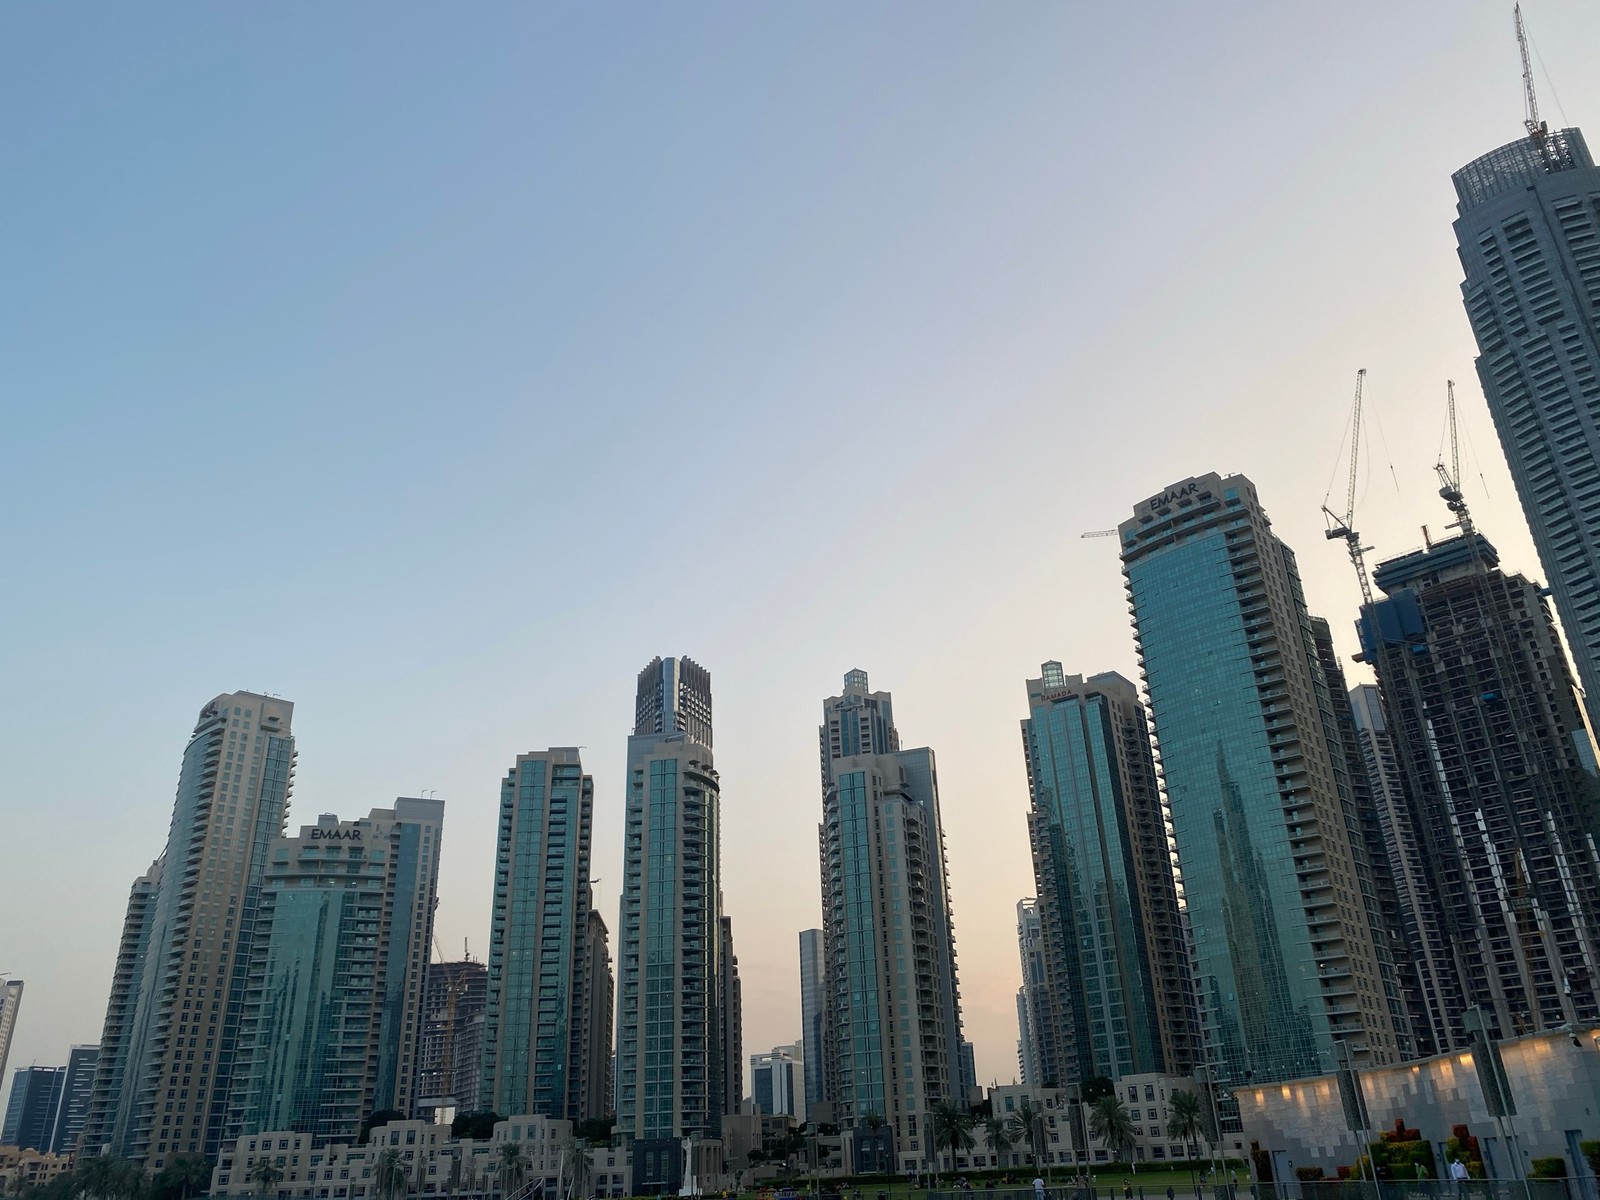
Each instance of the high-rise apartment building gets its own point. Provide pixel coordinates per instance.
(1365, 818)
(813, 1015)
(106, 1122)
(1528, 233)
(1503, 805)
(10, 1002)
(155, 1102)
(601, 988)
(894, 1012)
(536, 1036)
(1033, 999)
(1285, 956)
(76, 1089)
(730, 1021)
(343, 931)
(671, 1012)
(1117, 973)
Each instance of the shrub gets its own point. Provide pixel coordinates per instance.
(1591, 1151)
(1308, 1174)
(1550, 1168)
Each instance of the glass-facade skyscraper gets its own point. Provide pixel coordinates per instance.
(893, 1023)
(1117, 990)
(32, 1107)
(537, 1027)
(193, 939)
(813, 1010)
(1502, 806)
(1285, 956)
(329, 1032)
(673, 1019)
(1528, 233)
(1033, 999)
(101, 1124)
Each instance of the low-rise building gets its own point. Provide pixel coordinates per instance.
(20, 1169)
(435, 1164)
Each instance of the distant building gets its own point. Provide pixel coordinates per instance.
(10, 1002)
(31, 1110)
(1033, 1004)
(600, 988)
(1286, 958)
(328, 1034)
(813, 1011)
(1528, 221)
(1503, 805)
(450, 1055)
(76, 1089)
(731, 1023)
(1117, 972)
(894, 1012)
(537, 1034)
(777, 1083)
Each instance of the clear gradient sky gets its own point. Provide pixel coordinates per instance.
(436, 366)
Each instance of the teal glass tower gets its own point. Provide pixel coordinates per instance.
(893, 1019)
(1116, 985)
(538, 1025)
(1285, 956)
(329, 1032)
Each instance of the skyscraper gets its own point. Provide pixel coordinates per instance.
(536, 1025)
(601, 988)
(328, 1034)
(10, 1002)
(106, 1122)
(1527, 232)
(233, 793)
(32, 1107)
(76, 1089)
(1033, 1000)
(813, 1009)
(450, 1058)
(1117, 974)
(894, 1012)
(730, 1022)
(1286, 961)
(777, 1083)
(1498, 772)
(671, 1013)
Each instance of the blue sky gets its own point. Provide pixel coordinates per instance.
(437, 367)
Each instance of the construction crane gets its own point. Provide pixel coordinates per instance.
(1340, 527)
(1450, 477)
(1530, 102)
(1099, 533)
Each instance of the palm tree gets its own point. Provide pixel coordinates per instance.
(1186, 1124)
(952, 1126)
(1027, 1125)
(390, 1176)
(513, 1166)
(1110, 1122)
(266, 1175)
(575, 1163)
(998, 1134)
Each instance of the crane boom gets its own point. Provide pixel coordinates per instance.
(1340, 526)
(1450, 477)
(1530, 101)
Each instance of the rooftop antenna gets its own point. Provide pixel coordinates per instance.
(1339, 527)
(1450, 477)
